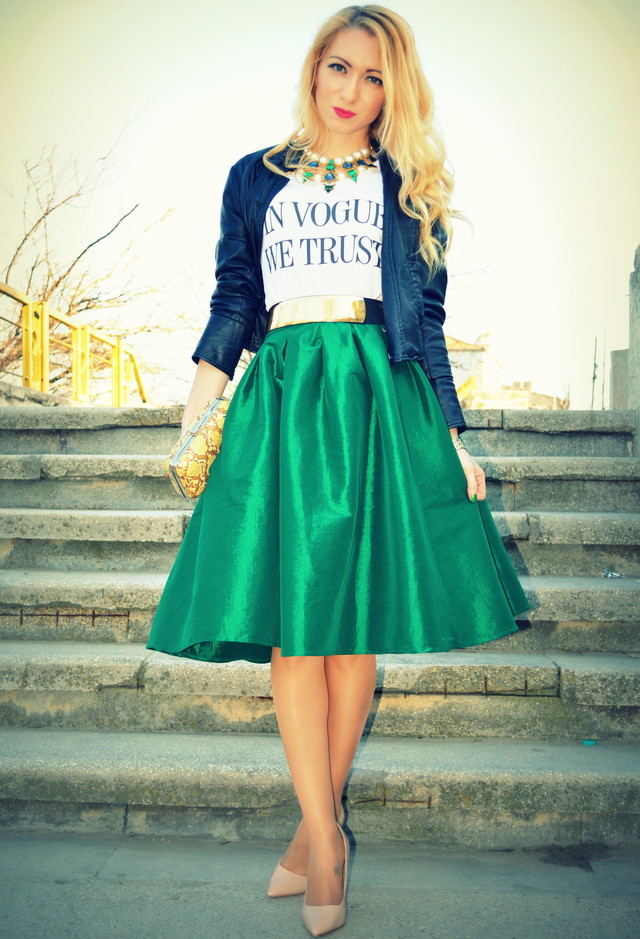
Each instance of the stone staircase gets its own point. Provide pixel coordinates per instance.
(532, 739)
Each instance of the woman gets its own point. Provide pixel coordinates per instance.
(343, 516)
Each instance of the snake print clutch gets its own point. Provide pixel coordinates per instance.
(189, 462)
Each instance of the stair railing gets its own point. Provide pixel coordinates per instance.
(85, 346)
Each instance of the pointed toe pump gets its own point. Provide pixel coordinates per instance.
(286, 883)
(320, 920)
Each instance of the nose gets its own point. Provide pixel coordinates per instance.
(349, 91)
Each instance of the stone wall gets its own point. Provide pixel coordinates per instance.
(633, 400)
(619, 380)
(624, 387)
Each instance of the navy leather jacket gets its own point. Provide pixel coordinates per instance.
(413, 300)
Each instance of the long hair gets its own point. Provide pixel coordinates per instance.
(404, 129)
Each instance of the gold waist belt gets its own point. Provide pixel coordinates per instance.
(330, 309)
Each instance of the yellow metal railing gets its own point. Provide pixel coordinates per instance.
(85, 346)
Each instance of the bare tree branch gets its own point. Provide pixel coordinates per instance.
(47, 207)
(81, 284)
(84, 251)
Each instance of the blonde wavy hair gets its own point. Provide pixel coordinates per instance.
(404, 129)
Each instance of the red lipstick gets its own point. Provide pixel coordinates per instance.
(344, 114)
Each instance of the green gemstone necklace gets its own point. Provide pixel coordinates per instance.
(328, 170)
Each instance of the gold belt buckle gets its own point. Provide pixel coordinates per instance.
(323, 309)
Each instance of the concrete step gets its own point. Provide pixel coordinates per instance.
(116, 525)
(153, 430)
(138, 482)
(456, 694)
(91, 539)
(573, 543)
(86, 482)
(484, 793)
(141, 430)
(562, 483)
(574, 613)
(579, 544)
(550, 433)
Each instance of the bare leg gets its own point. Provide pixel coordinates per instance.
(350, 682)
(301, 701)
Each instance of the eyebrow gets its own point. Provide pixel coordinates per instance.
(349, 64)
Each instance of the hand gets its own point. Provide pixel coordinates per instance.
(476, 482)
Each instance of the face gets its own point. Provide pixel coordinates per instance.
(349, 90)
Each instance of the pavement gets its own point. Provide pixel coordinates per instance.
(114, 887)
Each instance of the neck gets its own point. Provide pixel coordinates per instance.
(339, 145)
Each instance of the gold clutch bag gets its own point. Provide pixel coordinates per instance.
(189, 462)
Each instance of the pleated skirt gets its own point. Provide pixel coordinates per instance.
(336, 518)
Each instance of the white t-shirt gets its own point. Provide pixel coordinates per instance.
(317, 242)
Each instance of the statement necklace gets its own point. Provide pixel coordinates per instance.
(328, 170)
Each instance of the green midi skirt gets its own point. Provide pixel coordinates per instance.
(335, 519)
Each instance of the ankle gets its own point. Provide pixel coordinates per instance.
(326, 845)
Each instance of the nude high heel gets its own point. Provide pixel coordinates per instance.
(320, 920)
(285, 883)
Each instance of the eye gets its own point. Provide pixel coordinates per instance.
(339, 67)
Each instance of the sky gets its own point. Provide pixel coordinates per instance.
(537, 103)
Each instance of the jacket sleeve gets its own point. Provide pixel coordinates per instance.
(238, 294)
(434, 289)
